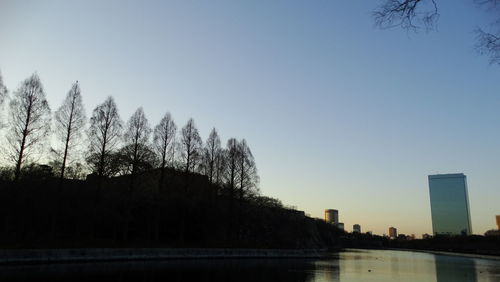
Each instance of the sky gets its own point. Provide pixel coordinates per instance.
(338, 113)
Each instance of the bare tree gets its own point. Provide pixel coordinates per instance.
(164, 143)
(413, 14)
(489, 44)
(3, 91)
(70, 121)
(211, 155)
(3, 96)
(190, 145)
(137, 148)
(232, 161)
(104, 135)
(29, 121)
(220, 166)
(247, 170)
(408, 14)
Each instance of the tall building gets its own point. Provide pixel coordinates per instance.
(332, 216)
(356, 228)
(449, 204)
(498, 221)
(393, 232)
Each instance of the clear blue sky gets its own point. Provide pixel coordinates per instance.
(338, 114)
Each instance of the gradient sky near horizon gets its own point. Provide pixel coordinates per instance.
(338, 114)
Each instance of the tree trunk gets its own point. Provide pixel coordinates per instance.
(23, 144)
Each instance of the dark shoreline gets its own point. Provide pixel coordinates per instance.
(36, 256)
(70, 255)
(438, 252)
(453, 253)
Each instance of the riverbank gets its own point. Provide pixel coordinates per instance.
(450, 253)
(470, 255)
(26, 256)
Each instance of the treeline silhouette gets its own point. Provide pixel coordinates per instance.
(472, 244)
(127, 184)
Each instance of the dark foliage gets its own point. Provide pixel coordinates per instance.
(474, 244)
(146, 217)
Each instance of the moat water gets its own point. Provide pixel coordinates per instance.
(350, 265)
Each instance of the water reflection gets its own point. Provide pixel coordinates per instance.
(184, 270)
(460, 269)
(385, 265)
(376, 265)
(327, 269)
(395, 265)
(351, 265)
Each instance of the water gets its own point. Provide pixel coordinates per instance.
(351, 265)
(377, 265)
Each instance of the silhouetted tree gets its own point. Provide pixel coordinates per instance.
(232, 161)
(211, 154)
(137, 147)
(408, 14)
(247, 170)
(412, 14)
(488, 43)
(220, 166)
(75, 170)
(233, 156)
(104, 135)
(122, 160)
(70, 121)
(29, 121)
(190, 145)
(3, 96)
(164, 143)
(3, 92)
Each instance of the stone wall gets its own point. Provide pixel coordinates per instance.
(8, 256)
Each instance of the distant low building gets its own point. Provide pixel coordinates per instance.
(340, 225)
(332, 216)
(393, 232)
(498, 221)
(356, 228)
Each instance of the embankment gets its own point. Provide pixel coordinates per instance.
(25, 256)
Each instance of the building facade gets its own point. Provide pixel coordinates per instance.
(332, 216)
(498, 221)
(393, 232)
(340, 225)
(449, 204)
(356, 228)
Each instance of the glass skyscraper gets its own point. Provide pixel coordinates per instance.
(449, 204)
